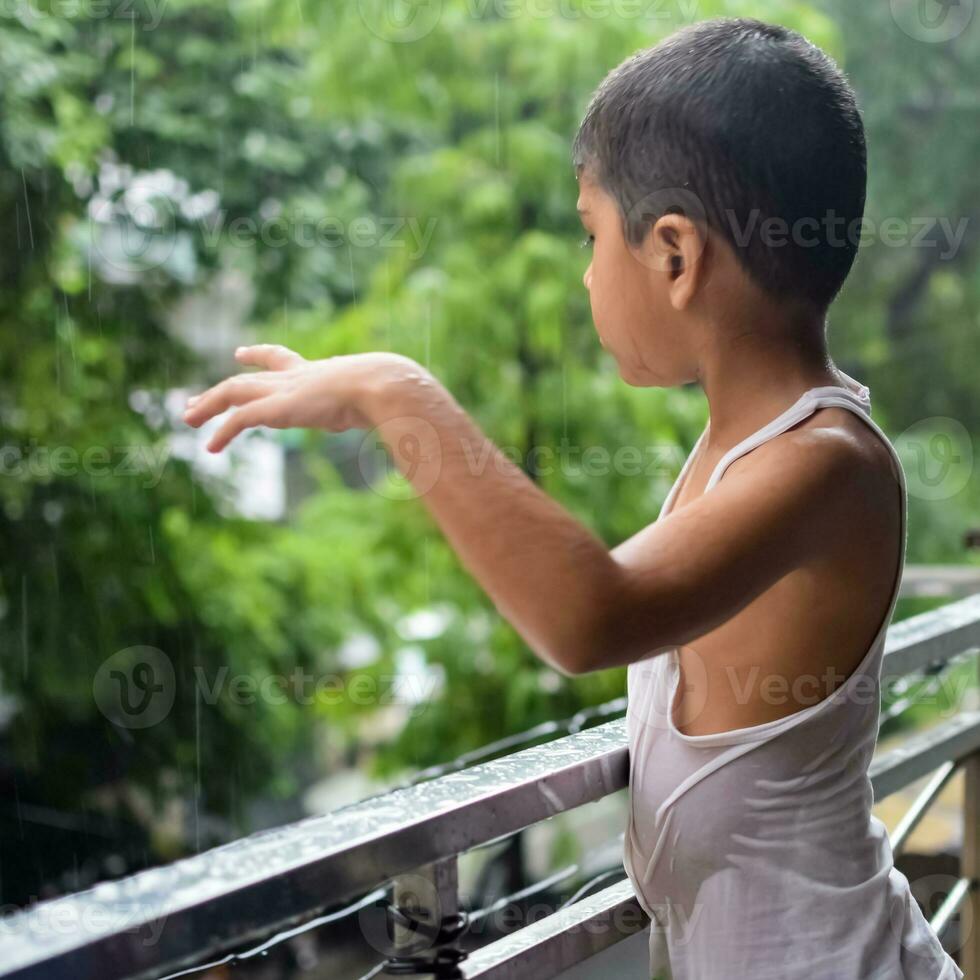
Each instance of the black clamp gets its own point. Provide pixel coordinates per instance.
(440, 959)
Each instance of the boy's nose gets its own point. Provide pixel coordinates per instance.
(587, 278)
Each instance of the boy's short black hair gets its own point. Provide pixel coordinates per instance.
(755, 124)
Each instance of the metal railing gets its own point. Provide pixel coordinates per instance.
(162, 920)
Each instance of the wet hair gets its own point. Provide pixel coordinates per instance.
(749, 127)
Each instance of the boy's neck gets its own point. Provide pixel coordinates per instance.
(750, 375)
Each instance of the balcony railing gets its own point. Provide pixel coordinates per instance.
(162, 920)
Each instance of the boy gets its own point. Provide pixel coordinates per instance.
(722, 182)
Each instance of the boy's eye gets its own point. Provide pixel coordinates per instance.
(588, 242)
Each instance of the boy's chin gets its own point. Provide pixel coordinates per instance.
(632, 376)
(644, 378)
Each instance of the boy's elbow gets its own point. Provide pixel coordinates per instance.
(584, 665)
(617, 640)
(587, 651)
(571, 655)
(610, 633)
(565, 658)
(593, 657)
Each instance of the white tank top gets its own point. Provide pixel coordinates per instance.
(754, 851)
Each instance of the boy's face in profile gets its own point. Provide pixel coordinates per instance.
(629, 290)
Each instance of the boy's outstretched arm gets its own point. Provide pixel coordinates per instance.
(579, 606)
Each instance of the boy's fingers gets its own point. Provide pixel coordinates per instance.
(264, 411)
(234, 391)
(275, 357)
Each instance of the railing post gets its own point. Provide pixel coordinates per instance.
(970, 916)
(429, 894)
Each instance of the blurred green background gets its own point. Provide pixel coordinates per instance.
(177, 178)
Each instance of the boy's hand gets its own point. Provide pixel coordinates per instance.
(294, 392)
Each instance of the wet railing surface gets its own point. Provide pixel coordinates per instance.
(172, 917)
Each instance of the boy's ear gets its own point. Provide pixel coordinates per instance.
(674, 247)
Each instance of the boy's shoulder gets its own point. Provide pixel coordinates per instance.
(849, 440)
(842, 453)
